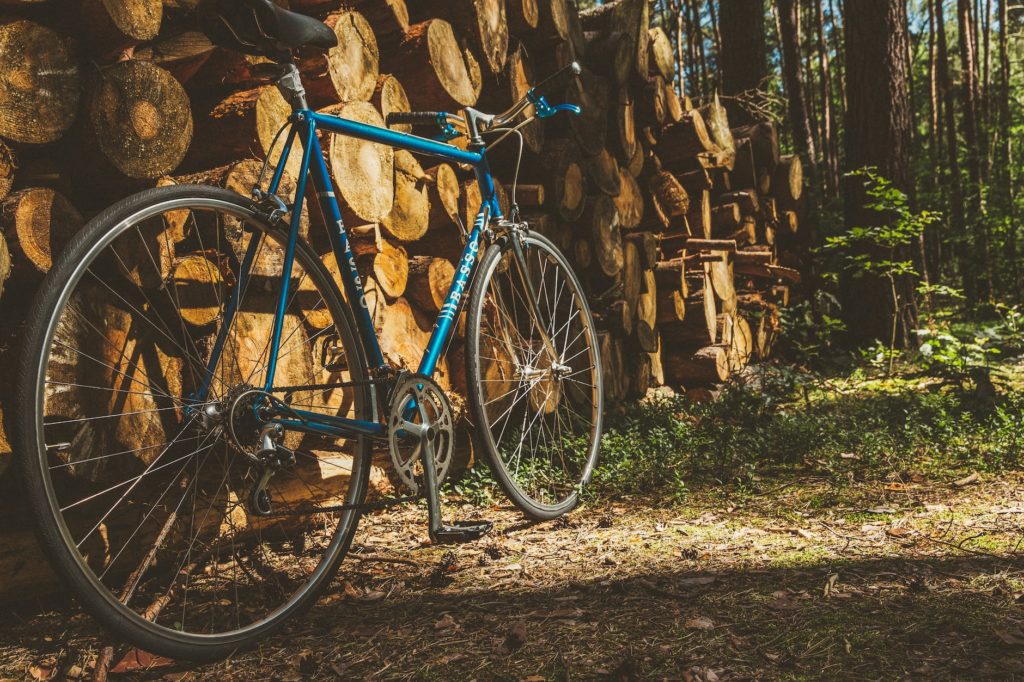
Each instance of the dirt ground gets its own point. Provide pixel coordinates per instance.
(799, 580)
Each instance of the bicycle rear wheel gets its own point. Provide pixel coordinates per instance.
(537, 406)
(141, 481)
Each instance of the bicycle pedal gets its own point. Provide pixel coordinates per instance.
(461, 531)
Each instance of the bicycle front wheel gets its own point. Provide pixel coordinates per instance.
(534, 375)
(139, 432)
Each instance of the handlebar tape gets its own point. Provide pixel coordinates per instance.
(414, 117)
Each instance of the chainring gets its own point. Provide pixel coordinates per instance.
(418, 399)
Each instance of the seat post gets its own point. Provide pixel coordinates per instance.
(289, 83)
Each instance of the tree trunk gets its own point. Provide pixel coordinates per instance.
(789, 23)
(744, 60)
(877, 134)
(979, 237)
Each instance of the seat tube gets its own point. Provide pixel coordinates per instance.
(308, 145)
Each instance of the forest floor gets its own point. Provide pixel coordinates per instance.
(801, 579)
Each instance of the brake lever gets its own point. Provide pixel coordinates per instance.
(542, 109)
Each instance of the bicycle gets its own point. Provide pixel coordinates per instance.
(186, 498)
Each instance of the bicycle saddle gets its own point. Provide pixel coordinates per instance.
(261, 28)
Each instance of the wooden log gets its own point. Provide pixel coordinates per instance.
(560, 171)
(724, 245)
(115, 24)
(671, 307)
(387, 263)
(723, 280)
(182, 54)
(553, 25)
(717, 121)
(606, 237)
(647, 245)
(764, 141)
(8, 164)
(636, 163)
(430, 57)
(675, 106)
(239, 126)
(37, 224)
(647, 303)
(603, 170)
(631, 275)
(653, 109)
(389, 19)
(709, 365)
(609, 55)
(363, 172)
(741, 349)
(669, 198)
(198, 282)
(699, 218)
(624, 125)
(591, 93)
(430, 278)
(523, 16)
(443, 192)
(725, 219)
(409, 217)
(630, 19)
(348, 72)
(140, 119)
(403, 333)
(681, 141)
(660, 53)
(389, 97)
(788, 182)
(483, 22)
(670, 275)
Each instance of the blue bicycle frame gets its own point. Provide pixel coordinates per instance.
(304, 125)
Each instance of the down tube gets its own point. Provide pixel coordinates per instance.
(453, 301)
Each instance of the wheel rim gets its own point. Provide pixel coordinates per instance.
(150, 501)
(541, 413)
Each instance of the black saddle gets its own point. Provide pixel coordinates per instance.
(261, 28)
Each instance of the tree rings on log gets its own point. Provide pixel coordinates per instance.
(39, 84)
(140, 119)
(363, 171)
(38, 223)
(430, 58)
(348, 71)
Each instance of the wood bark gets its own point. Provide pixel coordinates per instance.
(877, 134)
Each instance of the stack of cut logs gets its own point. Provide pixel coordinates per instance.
(676, 223)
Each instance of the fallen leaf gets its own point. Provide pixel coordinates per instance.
(137, 659)
(699, 623)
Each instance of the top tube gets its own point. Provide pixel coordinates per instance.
(393, 138)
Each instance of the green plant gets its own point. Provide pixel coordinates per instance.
(871, 250)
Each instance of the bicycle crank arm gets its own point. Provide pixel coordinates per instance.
(440, 533)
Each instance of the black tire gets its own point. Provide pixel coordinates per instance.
(97, 597)
(542, 489)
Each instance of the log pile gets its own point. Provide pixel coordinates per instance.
(677, 224)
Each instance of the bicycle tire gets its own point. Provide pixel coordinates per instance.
(69, 564)
(515, 484)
